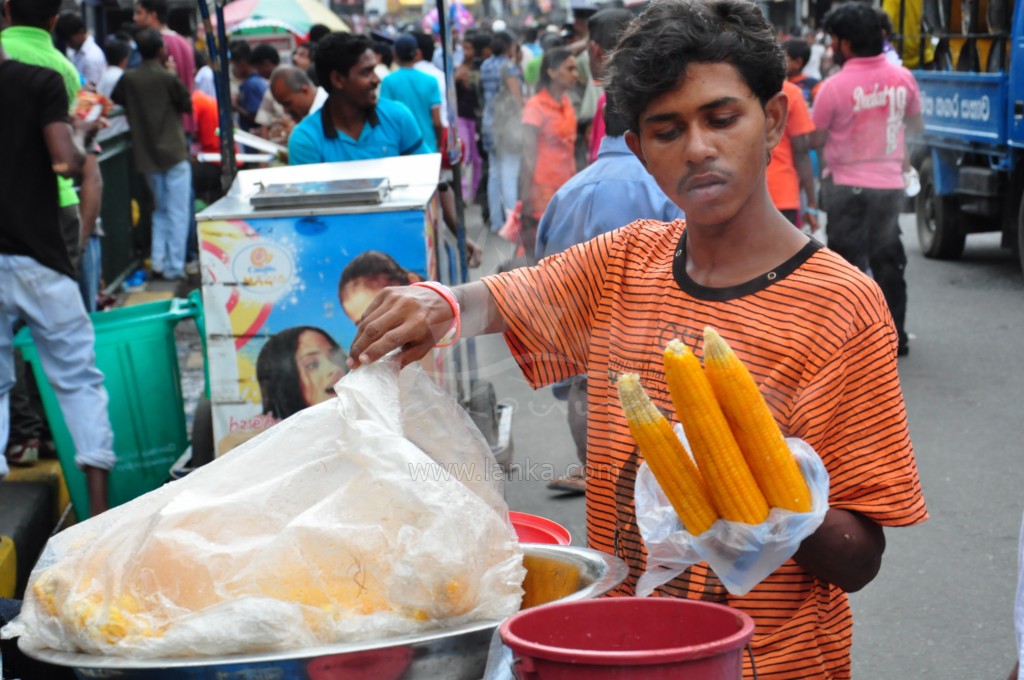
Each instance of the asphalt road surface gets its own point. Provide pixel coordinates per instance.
(942, 606)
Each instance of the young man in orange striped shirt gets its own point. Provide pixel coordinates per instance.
(699, 82)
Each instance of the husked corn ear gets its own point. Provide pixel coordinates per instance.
(754, 427)
(666, 456)
(732, 487)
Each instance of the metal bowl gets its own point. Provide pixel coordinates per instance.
(554, 573)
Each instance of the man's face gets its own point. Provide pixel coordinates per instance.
(265, 68)
(706, 142)
(300, 57)
(839, 50)
(297, 104)
(77, 40)
(360, 84)
(143, 18)
(794, 67)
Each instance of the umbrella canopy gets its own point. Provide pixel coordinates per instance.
(269, 16)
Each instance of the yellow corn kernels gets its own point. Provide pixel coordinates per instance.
(732, 487)
(666, 456)
(754, 427)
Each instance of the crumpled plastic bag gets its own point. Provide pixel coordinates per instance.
(378, 513)
(741, 555)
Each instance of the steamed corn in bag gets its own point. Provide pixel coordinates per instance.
(377, 513)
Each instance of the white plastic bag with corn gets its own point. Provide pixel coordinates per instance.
(376, 514)
(741, 498)
(741, 555)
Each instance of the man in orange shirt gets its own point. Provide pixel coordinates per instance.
(206, 176)
(798, 53)
(790, 169)
(699, 82)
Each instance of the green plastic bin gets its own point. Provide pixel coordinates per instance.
(135, 350)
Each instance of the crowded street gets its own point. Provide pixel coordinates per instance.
(511, 339)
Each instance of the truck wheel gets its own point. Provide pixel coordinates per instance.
(938, 219)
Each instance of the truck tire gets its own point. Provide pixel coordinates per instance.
(938, 219)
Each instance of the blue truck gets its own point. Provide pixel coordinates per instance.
(971, 156)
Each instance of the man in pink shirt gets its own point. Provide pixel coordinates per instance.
(861, 115)
(153, 14)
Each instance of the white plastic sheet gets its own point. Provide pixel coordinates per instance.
(376, 514)
(741, 555)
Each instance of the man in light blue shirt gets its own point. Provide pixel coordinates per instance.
(417, 90)
(352, 125)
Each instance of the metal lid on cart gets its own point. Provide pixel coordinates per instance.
(379, 185)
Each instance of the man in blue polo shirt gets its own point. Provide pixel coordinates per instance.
(417, 90)
(352, 125)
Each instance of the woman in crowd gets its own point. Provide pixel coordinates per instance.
(549, 138)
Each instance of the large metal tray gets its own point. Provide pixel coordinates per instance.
(449, 654)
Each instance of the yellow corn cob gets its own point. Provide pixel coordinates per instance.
(754, 427)
(666, 456)
(730, 483)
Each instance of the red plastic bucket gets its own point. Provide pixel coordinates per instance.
(628, 638)
(534, 529)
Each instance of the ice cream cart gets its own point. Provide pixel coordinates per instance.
(290, 258)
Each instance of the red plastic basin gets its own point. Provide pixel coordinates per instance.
(657, 638)
(534, 529)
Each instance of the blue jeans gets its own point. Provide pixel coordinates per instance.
(51, 306)
(172, 198)
(502, 185)
(89, 272)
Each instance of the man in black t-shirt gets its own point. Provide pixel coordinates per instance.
(37, 283)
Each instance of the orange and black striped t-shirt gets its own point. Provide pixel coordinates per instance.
(818, 338)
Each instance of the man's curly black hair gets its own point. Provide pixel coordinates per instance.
(653, 54)
(338, 52)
